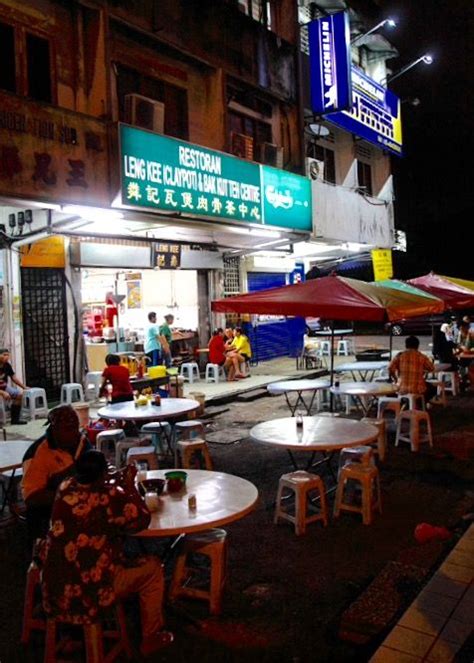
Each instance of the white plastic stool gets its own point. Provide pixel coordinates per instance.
(301, 483)
(143, 455)
(114, 435)
(343, 348)
(92, 385)
(34, 403)
(190, 371)
(450, 381)
(440, 392)
(388, 404)
(415, 401)
(325, 349)
(414, 419)
(381, 444)
(214, 372)
(362, 454)
(72, 392)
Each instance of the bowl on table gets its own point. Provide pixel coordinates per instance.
(176, 480)
(153, 485)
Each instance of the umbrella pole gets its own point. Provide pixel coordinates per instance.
(390, 342)
(331, 378)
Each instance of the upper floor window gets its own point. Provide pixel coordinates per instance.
(259, 10)
(364, 177)
(256, 131)
(25, 63)
(175, 99)
(324, 154)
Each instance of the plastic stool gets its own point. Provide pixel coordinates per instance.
(213, 545)
(111, 435)
(388, 404)
(301, 483)
(187, 448)
(92, 385)
(214, 372)
(343, 348)
(120, 447)
(190, 371)
(143, 455)
(34, 403)
(368, 478)
(414, 419)
(157, 430)
(362, 454)
(94, 635)
(72, 392)
(415, 401)
(381, 445)
(440, 392)
(450, 380)
(32, 604)
(189, 429)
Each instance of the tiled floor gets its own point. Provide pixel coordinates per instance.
(441, 618)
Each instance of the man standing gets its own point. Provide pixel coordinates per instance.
(154, 341)
(410, 368)
(84, 568)
(46, 463)
(10, 395)
(165, 332)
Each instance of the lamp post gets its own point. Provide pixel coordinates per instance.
(426, 59)
(387, 21)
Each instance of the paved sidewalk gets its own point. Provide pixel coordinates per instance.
(441, 619)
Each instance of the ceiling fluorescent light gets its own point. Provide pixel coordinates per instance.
(92, 213)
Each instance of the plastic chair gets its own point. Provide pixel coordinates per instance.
(301, 483)
(190, 371)
(367, 476)
(34, 403)
(411, 432)
(214, 372)
(213, 545)
(72, 392)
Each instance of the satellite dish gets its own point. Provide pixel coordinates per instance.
(318, 130)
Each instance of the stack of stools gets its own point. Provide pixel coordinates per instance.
(190, 371)
(143, 455)
(160, 432)
(213, 545)
(72, 392)
(381, 445)
(409, 427)
(366, 475)
(94, 636)
(117, 437)
(34, 403)
(190, 440)
(301, 483)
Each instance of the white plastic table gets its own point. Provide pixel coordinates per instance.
(337, 332)
(11, 457)
(323, 435)
(298, 387)
(170, 408)
(220, 499)
(364, 369)
(365, 393)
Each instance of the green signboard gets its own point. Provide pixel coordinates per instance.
(162, 173)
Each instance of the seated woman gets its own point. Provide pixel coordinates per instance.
(239, 352)
(217, 347)
(119, 377)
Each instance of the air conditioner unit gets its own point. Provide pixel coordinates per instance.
(145, 113)
(271, 154)
(315, 169)
(241, 145)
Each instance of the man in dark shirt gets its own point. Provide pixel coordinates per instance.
(11, 395)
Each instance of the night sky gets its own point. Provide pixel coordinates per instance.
(434, 183)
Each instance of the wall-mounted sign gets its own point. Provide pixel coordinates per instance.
(134, 294)
(330, 62)
(52, 153)
(375, 115)
(171, 175)
(382, 264)
(167, 255)
(48, 252)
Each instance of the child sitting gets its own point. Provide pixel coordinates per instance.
(119, 377)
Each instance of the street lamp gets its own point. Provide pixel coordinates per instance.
(426, 59)
(387, 21)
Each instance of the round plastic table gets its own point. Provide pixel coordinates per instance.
(169, 408)
(220, 499)
(298, 387)
(364, 393)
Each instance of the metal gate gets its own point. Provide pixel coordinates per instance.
(45, 331)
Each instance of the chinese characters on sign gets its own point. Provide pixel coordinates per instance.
(382, 264)
(168, 174)
(167, 256)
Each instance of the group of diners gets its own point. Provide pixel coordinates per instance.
(230, 348)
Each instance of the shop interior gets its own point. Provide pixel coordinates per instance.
(116, 305)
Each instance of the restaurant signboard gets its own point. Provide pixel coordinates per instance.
(170, 175)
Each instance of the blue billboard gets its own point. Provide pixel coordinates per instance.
(375, 115)
(330, 63)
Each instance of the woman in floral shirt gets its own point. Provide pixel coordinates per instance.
(84, 569)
